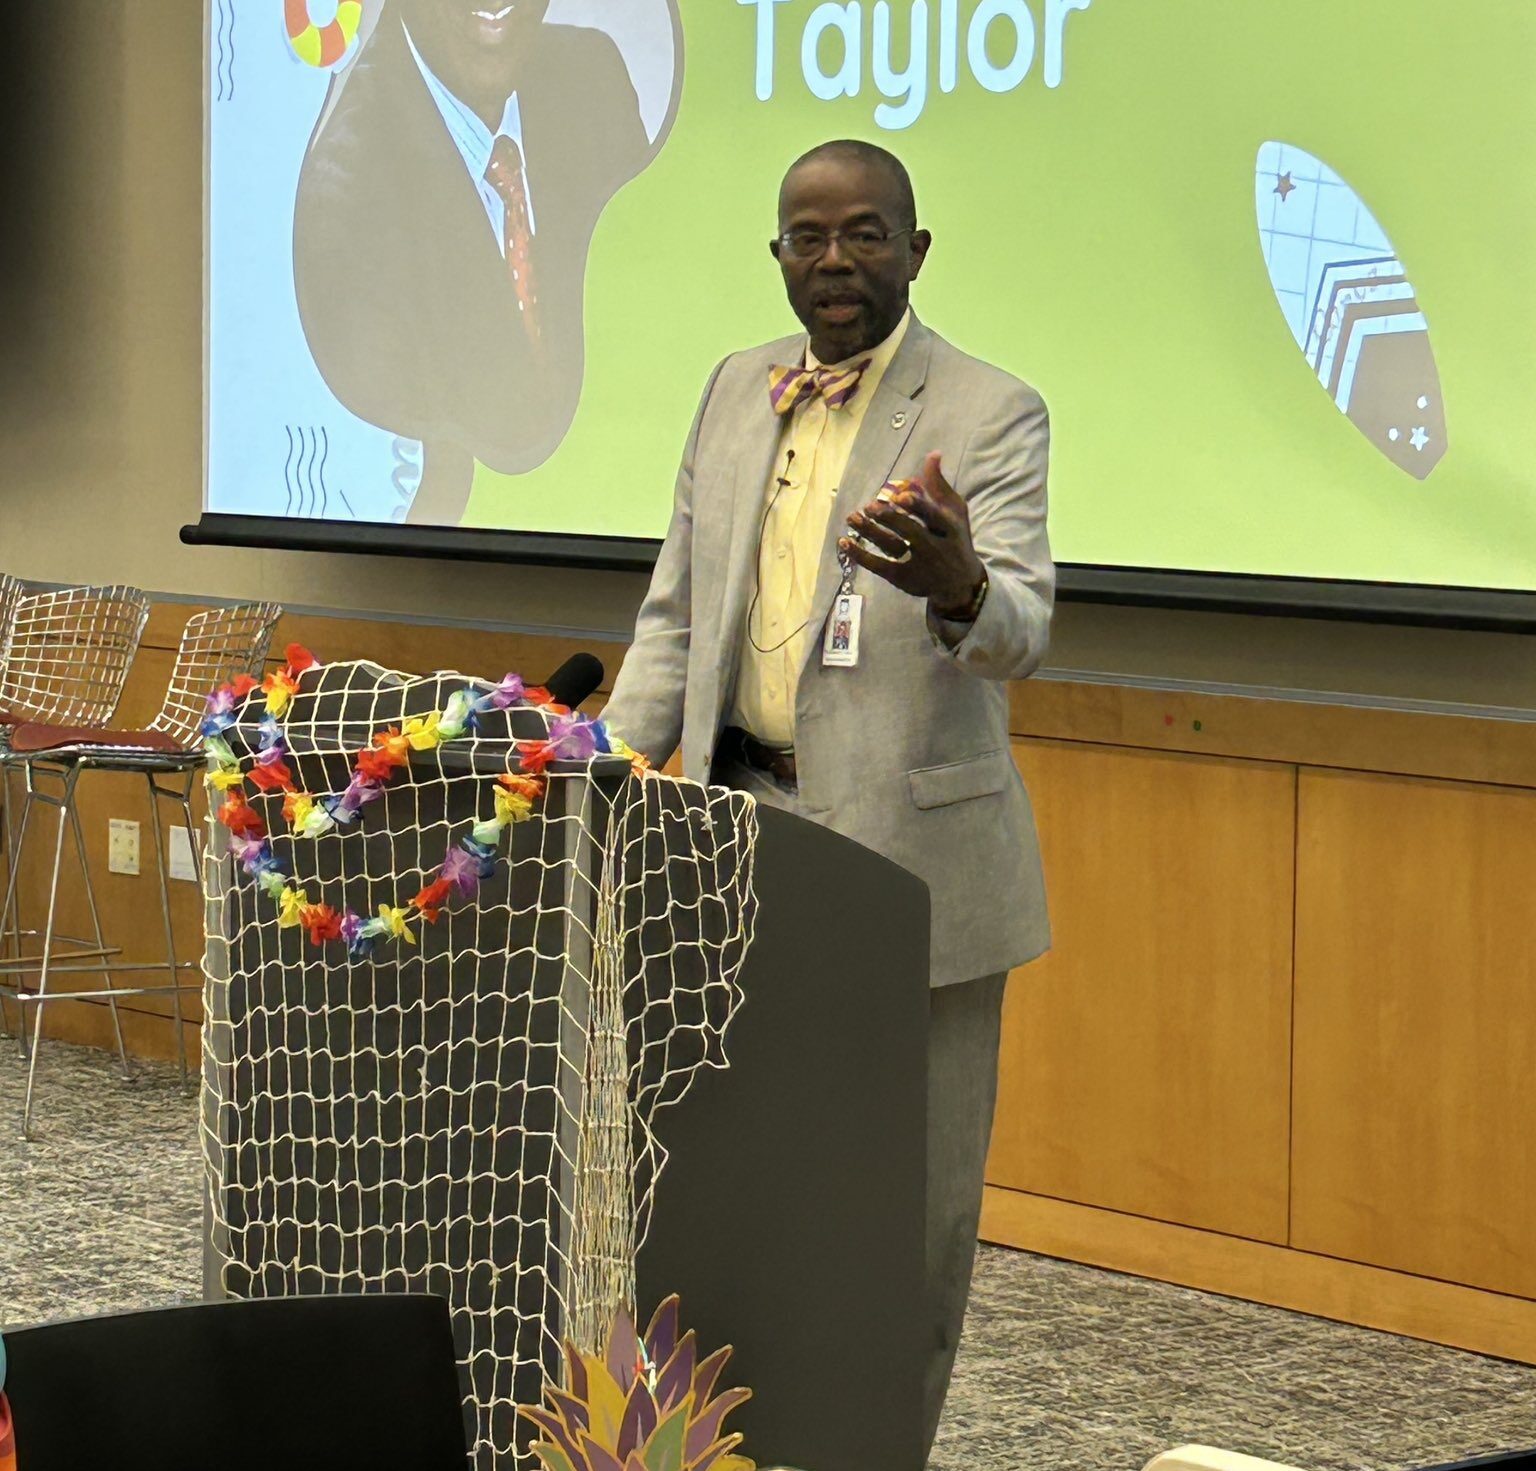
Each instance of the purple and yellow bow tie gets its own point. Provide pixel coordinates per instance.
(788, 388)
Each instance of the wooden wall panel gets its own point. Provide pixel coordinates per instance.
(1415, 1142)
(1146, 1060)
(419, 647)
(422, 647)
(1437, 743)
(90, 1024)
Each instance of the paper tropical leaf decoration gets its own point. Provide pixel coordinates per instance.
(648, 1404)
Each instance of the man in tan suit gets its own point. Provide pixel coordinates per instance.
(856, 565)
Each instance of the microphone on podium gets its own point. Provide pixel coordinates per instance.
(575, 680)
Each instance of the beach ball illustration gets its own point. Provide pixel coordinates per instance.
(321, 32)
(1351, 306)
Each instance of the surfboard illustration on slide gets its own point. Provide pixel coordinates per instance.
(1350, 305)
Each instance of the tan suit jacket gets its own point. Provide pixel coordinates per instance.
(909, 752)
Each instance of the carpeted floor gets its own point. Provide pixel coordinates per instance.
(1062, 1366)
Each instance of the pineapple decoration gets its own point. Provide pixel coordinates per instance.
(648, 1404)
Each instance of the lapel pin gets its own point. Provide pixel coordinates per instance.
(898, 421)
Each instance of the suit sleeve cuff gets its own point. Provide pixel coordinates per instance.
(947, 631)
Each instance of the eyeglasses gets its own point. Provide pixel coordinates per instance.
(862, 242)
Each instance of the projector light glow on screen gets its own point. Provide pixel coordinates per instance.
(471, 261)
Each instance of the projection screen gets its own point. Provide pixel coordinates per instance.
(470, 262)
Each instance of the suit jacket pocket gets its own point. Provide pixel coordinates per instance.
(981, 776)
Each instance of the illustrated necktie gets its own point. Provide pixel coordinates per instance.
(504, 173)
(788, 388)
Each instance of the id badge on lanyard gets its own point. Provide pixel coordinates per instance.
(840, 645)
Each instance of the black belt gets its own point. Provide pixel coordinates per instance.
(736, 745)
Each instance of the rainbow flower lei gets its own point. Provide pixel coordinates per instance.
(572, 737)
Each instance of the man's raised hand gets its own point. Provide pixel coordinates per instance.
(916, 534)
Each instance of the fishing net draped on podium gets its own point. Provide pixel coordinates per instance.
(461, 949)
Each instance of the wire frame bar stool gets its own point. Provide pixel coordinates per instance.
(11, 590)
(216, 646)
(66, 658)
(68, 655)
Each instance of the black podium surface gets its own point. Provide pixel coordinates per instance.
(790, 1216)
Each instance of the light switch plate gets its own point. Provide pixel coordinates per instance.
(123, 846)
(183, 865)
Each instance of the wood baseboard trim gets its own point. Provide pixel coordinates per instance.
(1325, 1287)
(89, 1023)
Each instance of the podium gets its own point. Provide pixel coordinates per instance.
(789, 1214)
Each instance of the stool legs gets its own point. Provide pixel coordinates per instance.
(10, 921)
(163, 870)
(68, 817)
(10, 930)
(101, 944)
(42, 979)
(173, 782)
(16, 839)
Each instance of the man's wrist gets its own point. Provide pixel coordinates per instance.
(967, 609)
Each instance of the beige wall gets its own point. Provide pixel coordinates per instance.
(100, 414)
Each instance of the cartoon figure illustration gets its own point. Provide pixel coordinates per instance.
(445, 210)
(1350, 306)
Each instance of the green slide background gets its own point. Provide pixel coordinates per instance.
(1099, 240)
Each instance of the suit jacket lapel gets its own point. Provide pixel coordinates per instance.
(883, 435)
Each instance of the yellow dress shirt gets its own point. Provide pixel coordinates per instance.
(813, 453)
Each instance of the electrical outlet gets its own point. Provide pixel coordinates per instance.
(123, 846)
(182, 864)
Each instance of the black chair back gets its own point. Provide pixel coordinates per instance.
(346, 1383)
(1509, 1461)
